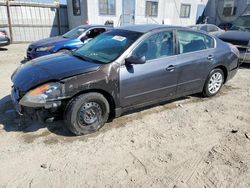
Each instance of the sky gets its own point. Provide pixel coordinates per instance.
(63, 1)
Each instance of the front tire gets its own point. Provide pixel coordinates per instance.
(86, 113)
(214, 82)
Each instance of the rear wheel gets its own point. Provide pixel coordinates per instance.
(213, 83)
(86, 113)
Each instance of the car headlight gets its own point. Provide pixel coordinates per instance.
(41, 95)
(45, 49)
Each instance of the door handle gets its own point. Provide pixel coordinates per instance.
(170, 68)
(210, 57)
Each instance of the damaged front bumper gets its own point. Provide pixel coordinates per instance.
(42, 113)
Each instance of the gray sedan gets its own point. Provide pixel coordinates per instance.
(121, 70)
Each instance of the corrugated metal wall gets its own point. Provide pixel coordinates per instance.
(34, 21)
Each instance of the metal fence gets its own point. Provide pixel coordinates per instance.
(31, 21)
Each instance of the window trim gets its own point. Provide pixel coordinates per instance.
(177, 42)
(189, 13)
(152, 1)
(108, 12)
(146, 36)
(73, 7)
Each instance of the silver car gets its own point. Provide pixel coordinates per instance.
(209, 28)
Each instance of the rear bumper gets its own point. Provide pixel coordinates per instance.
(5, 42)
(232, 73)
(244, 57)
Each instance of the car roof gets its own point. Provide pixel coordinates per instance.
(91, 26)
(199, 25)
(144, 28)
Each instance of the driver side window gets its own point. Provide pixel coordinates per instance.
(156, 46)
(95, 32)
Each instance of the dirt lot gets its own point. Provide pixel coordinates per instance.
(191, 142)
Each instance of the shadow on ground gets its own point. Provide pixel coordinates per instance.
(245, 66)
(3, 49)
(24, 61)
(13, 122)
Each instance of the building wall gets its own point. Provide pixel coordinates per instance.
(214, 10)
(168, 12)
(75, 21)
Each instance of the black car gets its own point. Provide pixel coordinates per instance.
(4, 39)
(120, 70)
(239, 35)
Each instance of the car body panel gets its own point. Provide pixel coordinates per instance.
(146, 82)
(50, 68)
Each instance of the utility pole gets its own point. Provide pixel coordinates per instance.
(58, 15)
(9, 20)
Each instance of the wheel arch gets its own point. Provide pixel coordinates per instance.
(106, 94)
(225, 71)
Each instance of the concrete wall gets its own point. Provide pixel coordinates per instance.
(168, 11)
(77, 20)
(32, 21)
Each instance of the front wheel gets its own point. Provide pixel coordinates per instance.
(213, 83)
(86, 113)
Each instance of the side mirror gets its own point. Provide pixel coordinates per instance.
(135, 60)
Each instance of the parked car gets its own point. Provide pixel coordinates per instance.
(209, 28)
(120, 70)
(4, 39)
(71, 40)
(239, 35)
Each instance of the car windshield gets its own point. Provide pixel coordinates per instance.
(241, 24)
(74, 33)
(108, 46)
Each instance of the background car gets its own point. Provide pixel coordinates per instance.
(121, 70)
(71, 40)
(239, 35)
(4, 39)
(209, 28)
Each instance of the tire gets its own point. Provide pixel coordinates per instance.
(86, 113)
(214, 82)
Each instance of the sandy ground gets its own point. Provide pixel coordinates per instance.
(190, 142)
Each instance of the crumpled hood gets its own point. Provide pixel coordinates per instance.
(236, 37)
(50, 68)
(51, 41)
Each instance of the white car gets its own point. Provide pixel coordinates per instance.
(209, 28)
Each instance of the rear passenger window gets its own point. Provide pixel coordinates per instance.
(192, 41)
(156, 46)
(209, 42)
